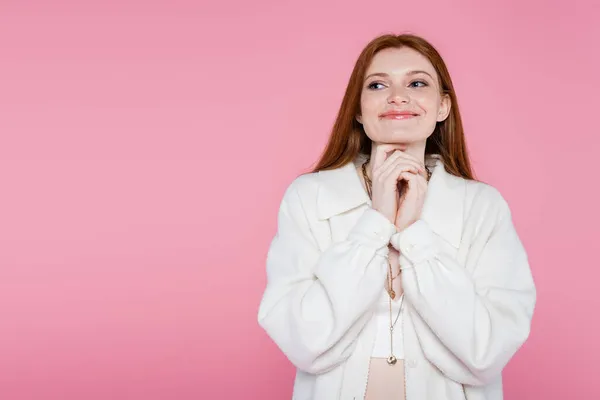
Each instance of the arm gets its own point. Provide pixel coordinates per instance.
(316, 302)
(470, 319)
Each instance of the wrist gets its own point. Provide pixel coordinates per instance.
(402, 224)
(416, 242)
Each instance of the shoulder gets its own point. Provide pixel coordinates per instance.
(300, 196)
(461, 194)
(470, 195)
(302, 187)
(483, 199)
(488, 215)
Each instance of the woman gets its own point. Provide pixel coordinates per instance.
(394, 273)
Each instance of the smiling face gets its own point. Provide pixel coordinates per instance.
(401, 99)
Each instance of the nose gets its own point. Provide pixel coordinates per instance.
(398, 96)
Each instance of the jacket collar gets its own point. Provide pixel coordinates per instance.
(340, 190)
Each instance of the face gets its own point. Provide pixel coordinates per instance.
(401, 101)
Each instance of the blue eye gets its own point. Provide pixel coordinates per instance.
(372, 84)
(423, 83)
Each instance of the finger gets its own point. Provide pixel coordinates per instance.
(423, 185)
(413, 158)
(389, 162)
(380, 156)
(402, 157)
(397, 160)
(383, 152)
(393, 159)
(395, 171)
(409, 177)
(417, 183)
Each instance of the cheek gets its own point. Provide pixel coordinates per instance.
(429, 102)
(370, 104)
(365, 101)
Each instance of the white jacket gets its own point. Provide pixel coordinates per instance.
(469, 292)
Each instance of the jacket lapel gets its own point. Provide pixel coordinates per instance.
(340, 190)
(444, 204)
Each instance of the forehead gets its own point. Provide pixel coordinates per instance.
(396, 61)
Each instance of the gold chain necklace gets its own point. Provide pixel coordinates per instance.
(391, 360)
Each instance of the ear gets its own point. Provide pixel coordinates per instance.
(359, 119)
(445, 107)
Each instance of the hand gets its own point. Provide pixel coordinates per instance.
(411, 203)
(387, 171)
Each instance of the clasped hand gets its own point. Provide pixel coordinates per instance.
(399, 185)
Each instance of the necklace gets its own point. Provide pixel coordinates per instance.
(391, 360)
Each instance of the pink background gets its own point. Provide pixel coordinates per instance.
(145, 146)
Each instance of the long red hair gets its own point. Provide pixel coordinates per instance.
(348, 138)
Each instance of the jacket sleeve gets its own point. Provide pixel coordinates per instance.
(470, 319)
(316, 302)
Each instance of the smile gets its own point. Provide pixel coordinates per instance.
(399, 116)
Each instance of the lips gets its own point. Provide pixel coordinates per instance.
(399, 114)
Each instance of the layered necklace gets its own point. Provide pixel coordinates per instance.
(391, 360)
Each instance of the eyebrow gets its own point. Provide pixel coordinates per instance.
(415, 72)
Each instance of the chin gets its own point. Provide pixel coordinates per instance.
(402, 137)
